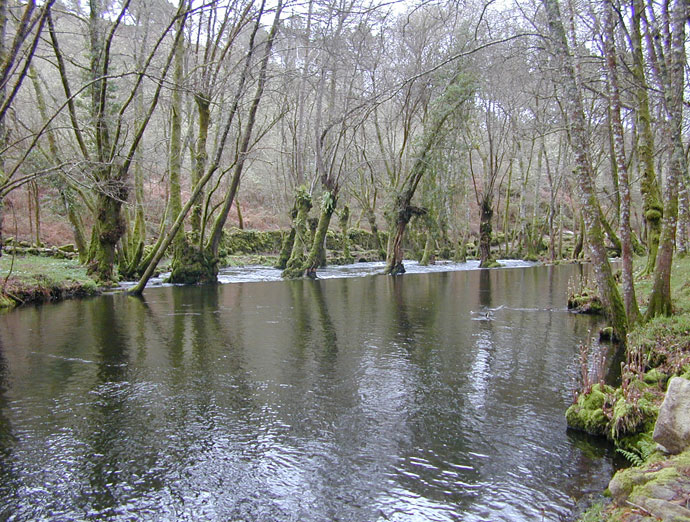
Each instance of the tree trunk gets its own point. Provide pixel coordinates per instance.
(616, 127)
(683, 219)
(660, 298)
(428, 255)
(344, 228)
(175, 151)
(371, 218)
(485, 229)
(606, 284)
(295, 265)
(506, 235)
(286, 249)
(108, 229)
(579, 245)
(651, 196)
(317, 254)
(203, 106)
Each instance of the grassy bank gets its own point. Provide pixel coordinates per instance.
(656, 486)
(36, 279)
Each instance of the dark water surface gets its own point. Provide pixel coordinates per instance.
(435, 396)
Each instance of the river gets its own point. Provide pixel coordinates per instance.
(427, 397)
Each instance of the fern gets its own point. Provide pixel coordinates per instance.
(631, 456)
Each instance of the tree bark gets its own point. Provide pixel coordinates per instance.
(485, 230)
(660, 298)
(606, 284)
(616, 126)
(295, 265)
(651, 196)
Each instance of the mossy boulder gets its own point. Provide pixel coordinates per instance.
(585, 302)
(660, 488)
(587, 414)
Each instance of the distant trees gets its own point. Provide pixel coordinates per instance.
(20, 31)
(143, 120)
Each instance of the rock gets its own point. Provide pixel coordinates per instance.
(587, 413)
(664, 510)
(672, 428)
(623, 483)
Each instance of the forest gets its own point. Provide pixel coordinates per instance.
(139, 130)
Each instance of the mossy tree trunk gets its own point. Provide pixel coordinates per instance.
(673, 81)
(603, 275)
(461, 249)
(108, 229)
(175, 150)
(486, 212)
(428, 254)
(617, 137)
(506, 215)
(376, 238)
(286, 248)
(345, 230)
(203, 107)
(135, 234)
(317, 254)
(683, 219)
(455, 96)
(295, 265)
(651, 195)
(190, 264)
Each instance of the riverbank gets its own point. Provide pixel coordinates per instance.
(37, 279)
(657, 485)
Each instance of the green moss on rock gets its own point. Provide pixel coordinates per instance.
(587, 414)
(585, 302)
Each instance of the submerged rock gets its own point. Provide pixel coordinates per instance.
(672, 428)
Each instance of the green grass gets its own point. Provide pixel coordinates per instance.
(27, 268)
(31, 278)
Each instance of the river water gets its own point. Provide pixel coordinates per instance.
(431, 396)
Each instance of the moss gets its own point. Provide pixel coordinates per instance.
(606, 334)
(587, 414)
(629, 417)
(586, 302)
(238, 241)
(192, 266)
(655, 376)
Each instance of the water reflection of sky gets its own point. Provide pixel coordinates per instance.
(433, 396)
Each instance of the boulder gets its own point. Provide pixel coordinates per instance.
(672, 430)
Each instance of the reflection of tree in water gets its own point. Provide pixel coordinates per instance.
(480, 371)
(414, 315)
(330, 338)
(109, 414)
